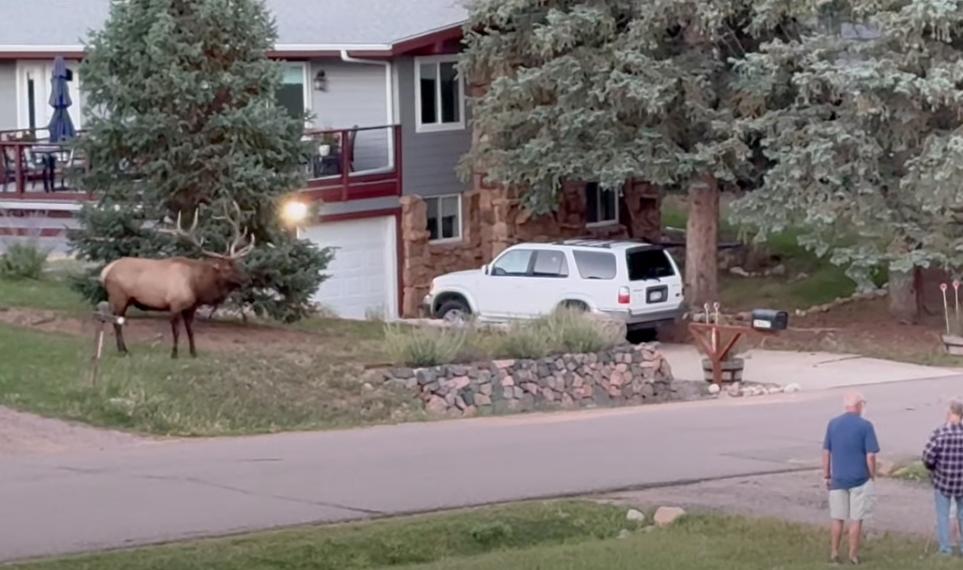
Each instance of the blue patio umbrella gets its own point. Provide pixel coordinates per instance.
(61, 126)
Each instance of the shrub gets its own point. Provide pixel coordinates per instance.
(525, 339)
(565, 330)
(24, 261)
(577, 331)
(424, 346)
(491, 534)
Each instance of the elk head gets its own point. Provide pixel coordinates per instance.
(226, 265)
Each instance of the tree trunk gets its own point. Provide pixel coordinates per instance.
(702, 244)
(904, 298)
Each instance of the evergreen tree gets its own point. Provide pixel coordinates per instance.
(868, 160)
(610, 90)
(185, 120)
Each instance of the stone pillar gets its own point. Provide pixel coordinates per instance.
(415, 274)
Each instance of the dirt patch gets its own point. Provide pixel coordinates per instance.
(26, 434)
(904, 508)
(156, 330)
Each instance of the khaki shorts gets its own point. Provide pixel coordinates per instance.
(854, 504)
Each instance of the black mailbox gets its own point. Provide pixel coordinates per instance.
(770, 320)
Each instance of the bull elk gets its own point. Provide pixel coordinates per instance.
(177, 285)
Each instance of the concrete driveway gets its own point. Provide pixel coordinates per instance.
(811, 370)
(132, 495)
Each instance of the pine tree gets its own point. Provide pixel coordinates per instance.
(186, 121)
(611, 90)
(868, 160)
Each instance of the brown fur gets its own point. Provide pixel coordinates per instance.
(176, 285)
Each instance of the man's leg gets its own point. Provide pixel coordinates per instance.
(943, 522)
(855, 538)
(838, 512)
(862, 501)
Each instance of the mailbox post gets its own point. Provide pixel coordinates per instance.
(102, 316)
(717, 341)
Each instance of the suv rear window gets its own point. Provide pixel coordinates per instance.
(648, 263)
(595, 264)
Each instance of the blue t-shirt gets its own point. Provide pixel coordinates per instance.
(848, 439)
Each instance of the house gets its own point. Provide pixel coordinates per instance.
(391, 121)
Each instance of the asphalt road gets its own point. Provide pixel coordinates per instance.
(174, 490)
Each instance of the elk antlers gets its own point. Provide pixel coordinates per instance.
(239, 237)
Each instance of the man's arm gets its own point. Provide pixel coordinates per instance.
(872, 448)
(827, 466)
(931, 453)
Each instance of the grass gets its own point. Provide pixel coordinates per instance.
(52, 293)
(227, 393)
(914, 472)
(547, 535)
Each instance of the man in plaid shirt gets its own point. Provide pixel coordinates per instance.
(943, 457)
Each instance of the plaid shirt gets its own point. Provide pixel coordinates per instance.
(943, 456)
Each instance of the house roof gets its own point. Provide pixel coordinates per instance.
(303, 25)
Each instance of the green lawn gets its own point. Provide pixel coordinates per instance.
(51, 293)
(549, 535)
(220, 393)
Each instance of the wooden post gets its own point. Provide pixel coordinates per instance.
(102, 316)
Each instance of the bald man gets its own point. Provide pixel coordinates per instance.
(849, 467)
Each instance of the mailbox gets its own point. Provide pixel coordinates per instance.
(770, 320)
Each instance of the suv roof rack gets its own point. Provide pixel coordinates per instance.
(602, 243)
(587, 242)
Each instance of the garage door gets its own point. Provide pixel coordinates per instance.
(363, 277)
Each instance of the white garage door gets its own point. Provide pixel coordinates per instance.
(363, 277)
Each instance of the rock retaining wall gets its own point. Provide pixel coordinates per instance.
(625, 375)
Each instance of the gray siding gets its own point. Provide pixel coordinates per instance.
(8, 95)
(430, 159)
(356, 95)
(354, 206)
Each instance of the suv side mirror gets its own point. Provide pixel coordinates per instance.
(485, 269)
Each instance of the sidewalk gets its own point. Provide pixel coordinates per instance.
(811, 370)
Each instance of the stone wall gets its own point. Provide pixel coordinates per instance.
(626, 375)
(494, 219)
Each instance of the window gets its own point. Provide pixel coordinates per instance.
(513, 263)
(444, 217)
(439, 98)
(292, 95)
(601, 205)
(595, 264)
(550, 264)
(648, 263)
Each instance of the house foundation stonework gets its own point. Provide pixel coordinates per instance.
(494, 219)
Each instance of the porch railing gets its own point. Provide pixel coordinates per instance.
(355, 163)
(342, 164)
(32, 167)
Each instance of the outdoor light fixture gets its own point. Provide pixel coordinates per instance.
(294, 212)
(321, 81)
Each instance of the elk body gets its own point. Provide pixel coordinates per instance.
(176, 285)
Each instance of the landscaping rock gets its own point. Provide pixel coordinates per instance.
(635, 515)
(666, 516)
(436, 405)
(792, 388)
(714, 389)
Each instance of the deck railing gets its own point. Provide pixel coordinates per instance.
(341, 164)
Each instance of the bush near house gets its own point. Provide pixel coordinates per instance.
(23, 261)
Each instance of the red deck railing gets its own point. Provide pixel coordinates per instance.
(342, 164)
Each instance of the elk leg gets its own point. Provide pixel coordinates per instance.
(120, 310)
(176, 329)
(188, 316)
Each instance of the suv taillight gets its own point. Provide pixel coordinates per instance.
(625, 297)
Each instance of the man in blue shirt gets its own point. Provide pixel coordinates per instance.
(849, 466)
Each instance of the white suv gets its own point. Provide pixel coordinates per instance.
(633, 281)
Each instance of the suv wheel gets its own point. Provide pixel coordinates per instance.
(575, 306)
(454, 311)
